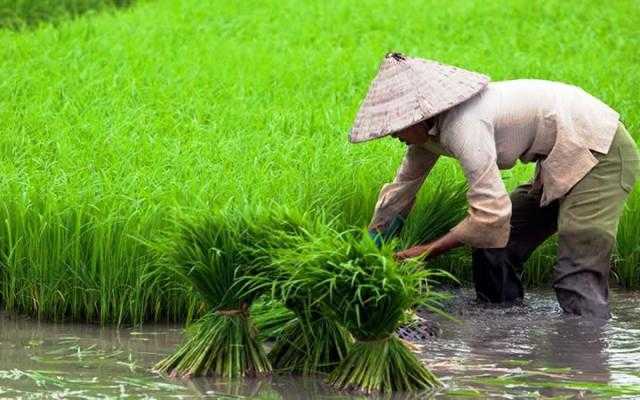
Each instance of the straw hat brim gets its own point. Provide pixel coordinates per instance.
(407, 91)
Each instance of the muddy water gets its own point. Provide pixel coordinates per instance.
(529, 351)
(536, 351)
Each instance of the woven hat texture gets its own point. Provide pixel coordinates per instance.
(410, 90)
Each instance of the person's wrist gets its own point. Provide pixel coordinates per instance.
(375, 235)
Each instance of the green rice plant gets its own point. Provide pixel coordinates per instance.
(213, 255)
(445, 206)
(82, 263)
(109, 125)
(627, 255)
(439, 208)
(16, 14)
(270, 318)
(218, 256)
(308, 343)
(367, 292)
(221, 343)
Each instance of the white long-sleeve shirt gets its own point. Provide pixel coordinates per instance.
(551, 123)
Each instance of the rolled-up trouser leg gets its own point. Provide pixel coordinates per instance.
(587, 225)
(496, 272)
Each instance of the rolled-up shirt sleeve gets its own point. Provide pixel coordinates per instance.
(487, 224)
(397, 198)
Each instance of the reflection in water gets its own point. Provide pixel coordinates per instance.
(575, 343)
(530, 345)
(528, 350)
(289, 388)
(242, 389)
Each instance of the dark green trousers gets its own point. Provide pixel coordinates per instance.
(586, 220)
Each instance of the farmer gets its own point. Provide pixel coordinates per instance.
(586, 165)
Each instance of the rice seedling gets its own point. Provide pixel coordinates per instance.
(221, 343)
(445, 207)
(627, 256)
(213, 256)
(83, 264)
(368, 293)
(270, 318)
(308, 342)
(109, 116)
(16, 14)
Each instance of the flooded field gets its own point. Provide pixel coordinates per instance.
(528, 351)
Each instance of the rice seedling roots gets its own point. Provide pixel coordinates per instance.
(384, 365)
(222, 344)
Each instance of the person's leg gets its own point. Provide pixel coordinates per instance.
(587, 225)
(496, 272)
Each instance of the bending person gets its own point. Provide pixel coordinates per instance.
(586, 165)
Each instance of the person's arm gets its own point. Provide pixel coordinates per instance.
(397, 198)
(488, 223)
(433, 249)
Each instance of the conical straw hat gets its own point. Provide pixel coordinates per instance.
(409, 90)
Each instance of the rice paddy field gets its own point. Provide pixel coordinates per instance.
(120, 120)
(116, 122)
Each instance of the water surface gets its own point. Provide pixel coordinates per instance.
(528, 351)
(536, 351)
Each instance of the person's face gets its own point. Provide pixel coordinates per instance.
(414, 134)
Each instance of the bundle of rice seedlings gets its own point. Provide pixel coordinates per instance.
(214, 255)
(367, 292)
(308, 343)
(270, 317)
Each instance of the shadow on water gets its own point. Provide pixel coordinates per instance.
(526, 351)
(18, 15)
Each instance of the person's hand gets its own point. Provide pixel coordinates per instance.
(415, 251)
(432, 249)
(381, 234)
(376, 236)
